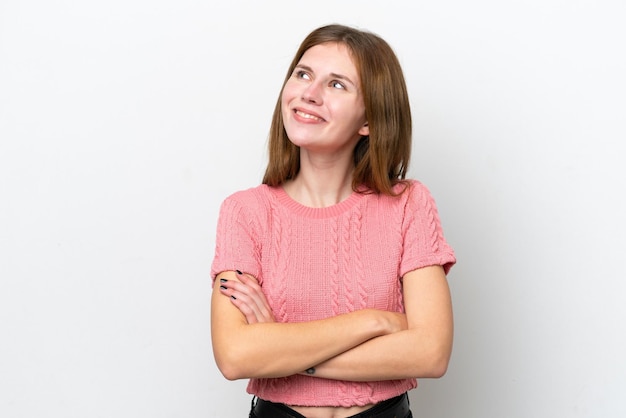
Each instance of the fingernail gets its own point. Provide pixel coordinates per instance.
(238, 272)
(223, 287)
(223, 280)
(234, 297)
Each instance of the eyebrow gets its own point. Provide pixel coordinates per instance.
(333, 75)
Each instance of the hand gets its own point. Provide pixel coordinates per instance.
(248, 297)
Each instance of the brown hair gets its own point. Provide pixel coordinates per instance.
(381, 159)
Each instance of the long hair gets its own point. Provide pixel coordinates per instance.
(381, 159)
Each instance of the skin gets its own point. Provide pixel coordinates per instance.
(324, 115)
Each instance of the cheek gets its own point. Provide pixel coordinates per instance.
(286, 98)
(351, 113)
(284, 109)
(289, 91)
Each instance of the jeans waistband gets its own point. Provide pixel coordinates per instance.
(397, 407)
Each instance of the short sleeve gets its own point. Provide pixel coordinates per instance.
(237, 245)
(423, 240)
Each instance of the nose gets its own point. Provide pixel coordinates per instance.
(312, 94)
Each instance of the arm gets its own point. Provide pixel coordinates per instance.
(270, 349)
(422, 350)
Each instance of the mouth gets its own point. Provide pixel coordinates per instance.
(309, 116)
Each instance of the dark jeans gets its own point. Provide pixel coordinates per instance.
(397, 407)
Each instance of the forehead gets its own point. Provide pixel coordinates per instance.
(331, 57)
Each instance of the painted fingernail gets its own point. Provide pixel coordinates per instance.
(238, 272)
(223, 280)
(223, 287)
(234, 297)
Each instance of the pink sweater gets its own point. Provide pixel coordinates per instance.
(315, 263)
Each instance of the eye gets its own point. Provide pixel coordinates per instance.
(337, 85)
(302, 74)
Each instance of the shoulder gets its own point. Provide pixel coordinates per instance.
(251, 207)
(416, 187)
(413, 198)
(417, 192)
(254, 197)
(406, 191)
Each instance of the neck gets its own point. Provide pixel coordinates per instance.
(321, 182)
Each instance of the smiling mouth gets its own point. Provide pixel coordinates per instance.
(308, 116)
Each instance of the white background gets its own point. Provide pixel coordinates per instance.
(124, 123)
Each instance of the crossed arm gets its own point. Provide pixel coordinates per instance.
(363, 345)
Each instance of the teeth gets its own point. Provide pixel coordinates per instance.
(306, 115)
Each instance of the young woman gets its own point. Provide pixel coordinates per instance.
(330, 289)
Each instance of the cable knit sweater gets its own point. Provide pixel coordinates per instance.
(314, 263)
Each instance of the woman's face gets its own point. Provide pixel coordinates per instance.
(322, 105)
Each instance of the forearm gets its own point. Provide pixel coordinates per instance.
(245, 350)
(405, 354)
(421, 350)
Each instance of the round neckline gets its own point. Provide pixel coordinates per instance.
(316, 213)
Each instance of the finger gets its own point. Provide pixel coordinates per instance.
(250, 314)
(256, 293)
(250, 295)
(240, 298)
(233, 287)
(249, 281)
(244, 303)
(253, 304)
